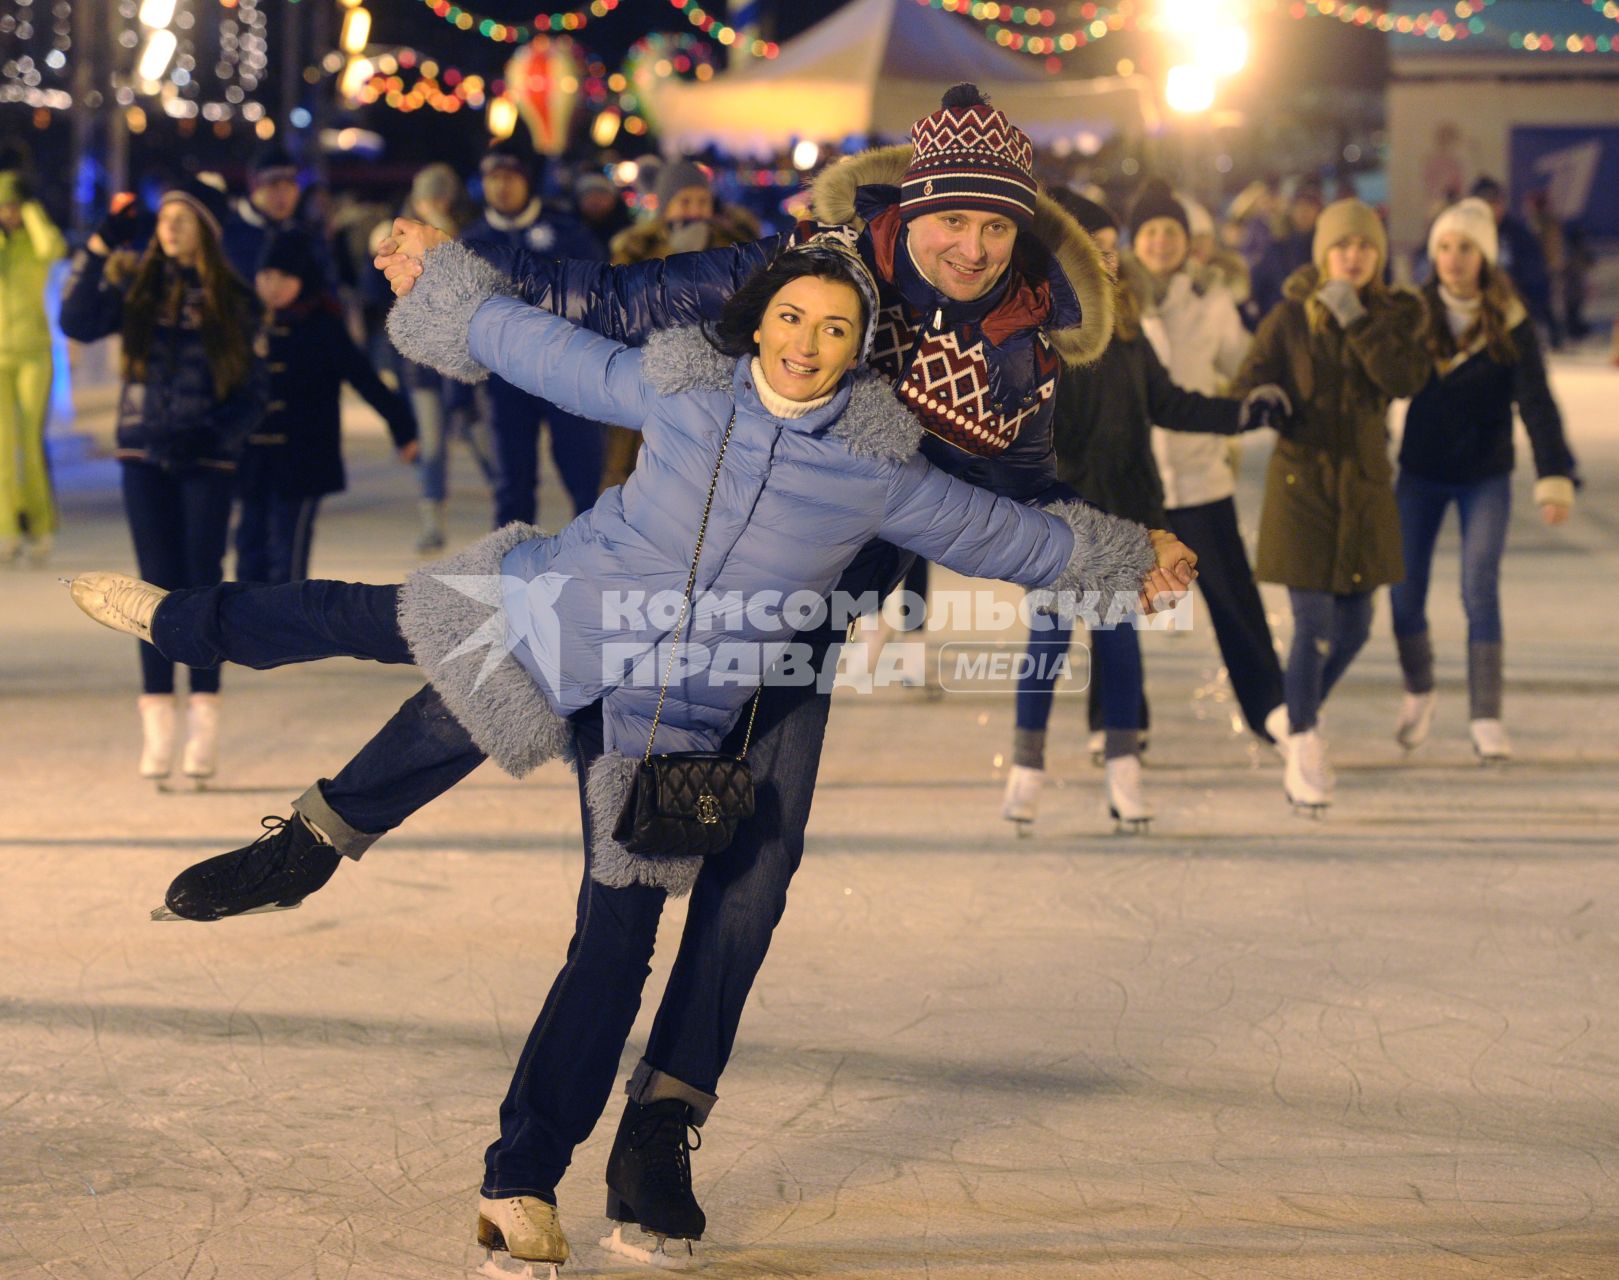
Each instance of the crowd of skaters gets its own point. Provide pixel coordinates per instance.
(239, 333)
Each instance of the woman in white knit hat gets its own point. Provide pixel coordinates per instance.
(1458, 449)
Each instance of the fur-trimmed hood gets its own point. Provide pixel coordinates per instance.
(1056, 251)
(731, 225)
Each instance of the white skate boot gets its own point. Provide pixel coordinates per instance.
(157, 734)
(1307, 779)
(1125, 803)
(1277, 725)
(1416, 718)
(201, 755)
(527, 1231)
(118, 601)
(1490, 741)
(1022, 799)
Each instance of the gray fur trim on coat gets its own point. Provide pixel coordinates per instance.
(452, 616)
(429, 324)
(1110, 560)
(607, 786)
(875, 424)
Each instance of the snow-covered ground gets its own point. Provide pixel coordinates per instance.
(1249, 1045)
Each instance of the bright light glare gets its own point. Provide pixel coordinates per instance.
(1189, 89)
(502, 117)
(1223, 51)
(604, 129)
(160, 46)
(805, 154)
(356, 30)
(1189, 15)
(626, 172)
(156, 13)
(355, 75)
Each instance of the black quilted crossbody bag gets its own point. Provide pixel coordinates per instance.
(687, 804)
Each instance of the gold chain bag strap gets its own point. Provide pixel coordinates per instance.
(687, 804)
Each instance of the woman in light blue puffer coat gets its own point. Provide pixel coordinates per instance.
(550, 645)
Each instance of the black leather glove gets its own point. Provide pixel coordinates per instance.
(126, 224)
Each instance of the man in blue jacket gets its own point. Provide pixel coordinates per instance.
(515, 221)
(986, 289)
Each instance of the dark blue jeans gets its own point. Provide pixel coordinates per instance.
(577, 448)
(1484, 509)
(1328, 631)
(274, 535)
(179, 522)
(423, 751)
(1116, 670)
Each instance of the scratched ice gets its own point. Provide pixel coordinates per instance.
(1248, 1046)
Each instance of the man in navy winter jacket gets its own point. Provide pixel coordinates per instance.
(515, 221)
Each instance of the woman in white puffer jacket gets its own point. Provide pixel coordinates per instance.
(1191, 319)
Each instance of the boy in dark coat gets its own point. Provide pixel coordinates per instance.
(295, 456)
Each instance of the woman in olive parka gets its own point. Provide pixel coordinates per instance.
(1343, 346)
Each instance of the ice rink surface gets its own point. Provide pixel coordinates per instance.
(1248, 1045)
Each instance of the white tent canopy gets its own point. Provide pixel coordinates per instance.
(874, 67)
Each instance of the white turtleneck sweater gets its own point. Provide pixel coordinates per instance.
(1460, 313)
(780, 406)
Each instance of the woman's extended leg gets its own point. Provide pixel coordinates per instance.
(261, 627)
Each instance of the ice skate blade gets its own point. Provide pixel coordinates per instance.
(504, 1267)
(1023, 827)
(657, 1256)
(1308, 809)
(1130, 826)
(163, 913)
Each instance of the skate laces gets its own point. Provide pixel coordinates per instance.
(668, 1139)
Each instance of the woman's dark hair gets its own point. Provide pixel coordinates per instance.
(157, 296)
(1493, 323)
(732, 334)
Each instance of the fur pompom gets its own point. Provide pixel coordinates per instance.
(963, 95)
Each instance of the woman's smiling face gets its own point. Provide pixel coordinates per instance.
(809, 336)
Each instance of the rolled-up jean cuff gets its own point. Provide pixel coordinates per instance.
(345, 839)
(648, 1084)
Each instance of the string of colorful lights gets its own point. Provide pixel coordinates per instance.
(465, 19)
(717, 29)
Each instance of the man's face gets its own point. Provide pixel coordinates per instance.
(597, 206)
(963, 252)
(10, 218)
(690, 204)
(277, 200)
(505, 191)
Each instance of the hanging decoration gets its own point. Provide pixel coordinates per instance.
(658, 57)
(544, 79)
(464, 19)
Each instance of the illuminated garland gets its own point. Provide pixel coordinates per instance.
(990, 11)
(443, 89)
(709, 25)
(1466, 18)
(465, 19)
